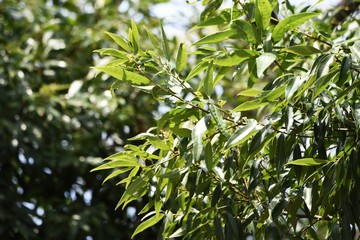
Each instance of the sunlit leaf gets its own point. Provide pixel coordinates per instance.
(302, 50)
(124, 75)
(355, 50)
(234, 58)
(241, 135)
(250, 92)
(290, 23)
(120, 41)
(181, 58)
(216, 37)
(214, 5)
(123, 160)
(245, 30)
(148, 223)
(250, 105)
(165, 42)
(263, 13)
(209, 80)
(112, 52)
(263, 62)
(196, 136)
(307, 162)
(197, 70)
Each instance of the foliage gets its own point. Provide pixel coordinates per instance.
(261, 137)
(58, 121)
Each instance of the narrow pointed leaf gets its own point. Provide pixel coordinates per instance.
(245, 30)
(117, 173)
(263, 62)
(250, 92)
(302, 50)
(234, 58)
(197, 133)
(217, 115)
(355, 50)
(165, 42)
(181, 58)
(307, 162)
(209, 80)
(241, 134)
(263, 13)
(216, 37)
(135, 31)
(124, 75)
(123, 160)
(120, 41)
(197, 70)
(113, 53)
(152, 38)
(250, 105)
(148, 223)
(290, 23)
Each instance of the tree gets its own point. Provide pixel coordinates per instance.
(58, 121)
(261, 138)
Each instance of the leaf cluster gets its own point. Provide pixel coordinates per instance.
(276, 155)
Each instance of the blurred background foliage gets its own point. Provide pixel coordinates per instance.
(58, 119)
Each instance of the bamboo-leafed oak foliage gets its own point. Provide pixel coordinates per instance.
(262, 134)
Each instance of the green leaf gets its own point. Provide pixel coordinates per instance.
(250, 105)
(216, 195)
(308, 162)
(219, 234)
(245, 31)
(356, 113)
(148, 223)
(136, 189)
(260, 140)
(221, 73)
(263, 62)
(197, 69)
(124, 75)
(234, 58)
(280, 155)
(241, 135)
(113, 53)
(178, 233)
(293, 85)
(209, 157)
(217, 115)
(355, 50)
(165, 43)
(181, 58)
(323, 82)
(214, 5)
(152, 38)
(216, 37)
(116, 173)
(278, 209)
(135, 31)
(120, 41)
(231, 222)
(250, 92)
(209, 80)
(290, 23)
(302, 50)
(344, 68)
(118, 160)
(263, 13)
(274, 94)
(223, 18)
(196, 136)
